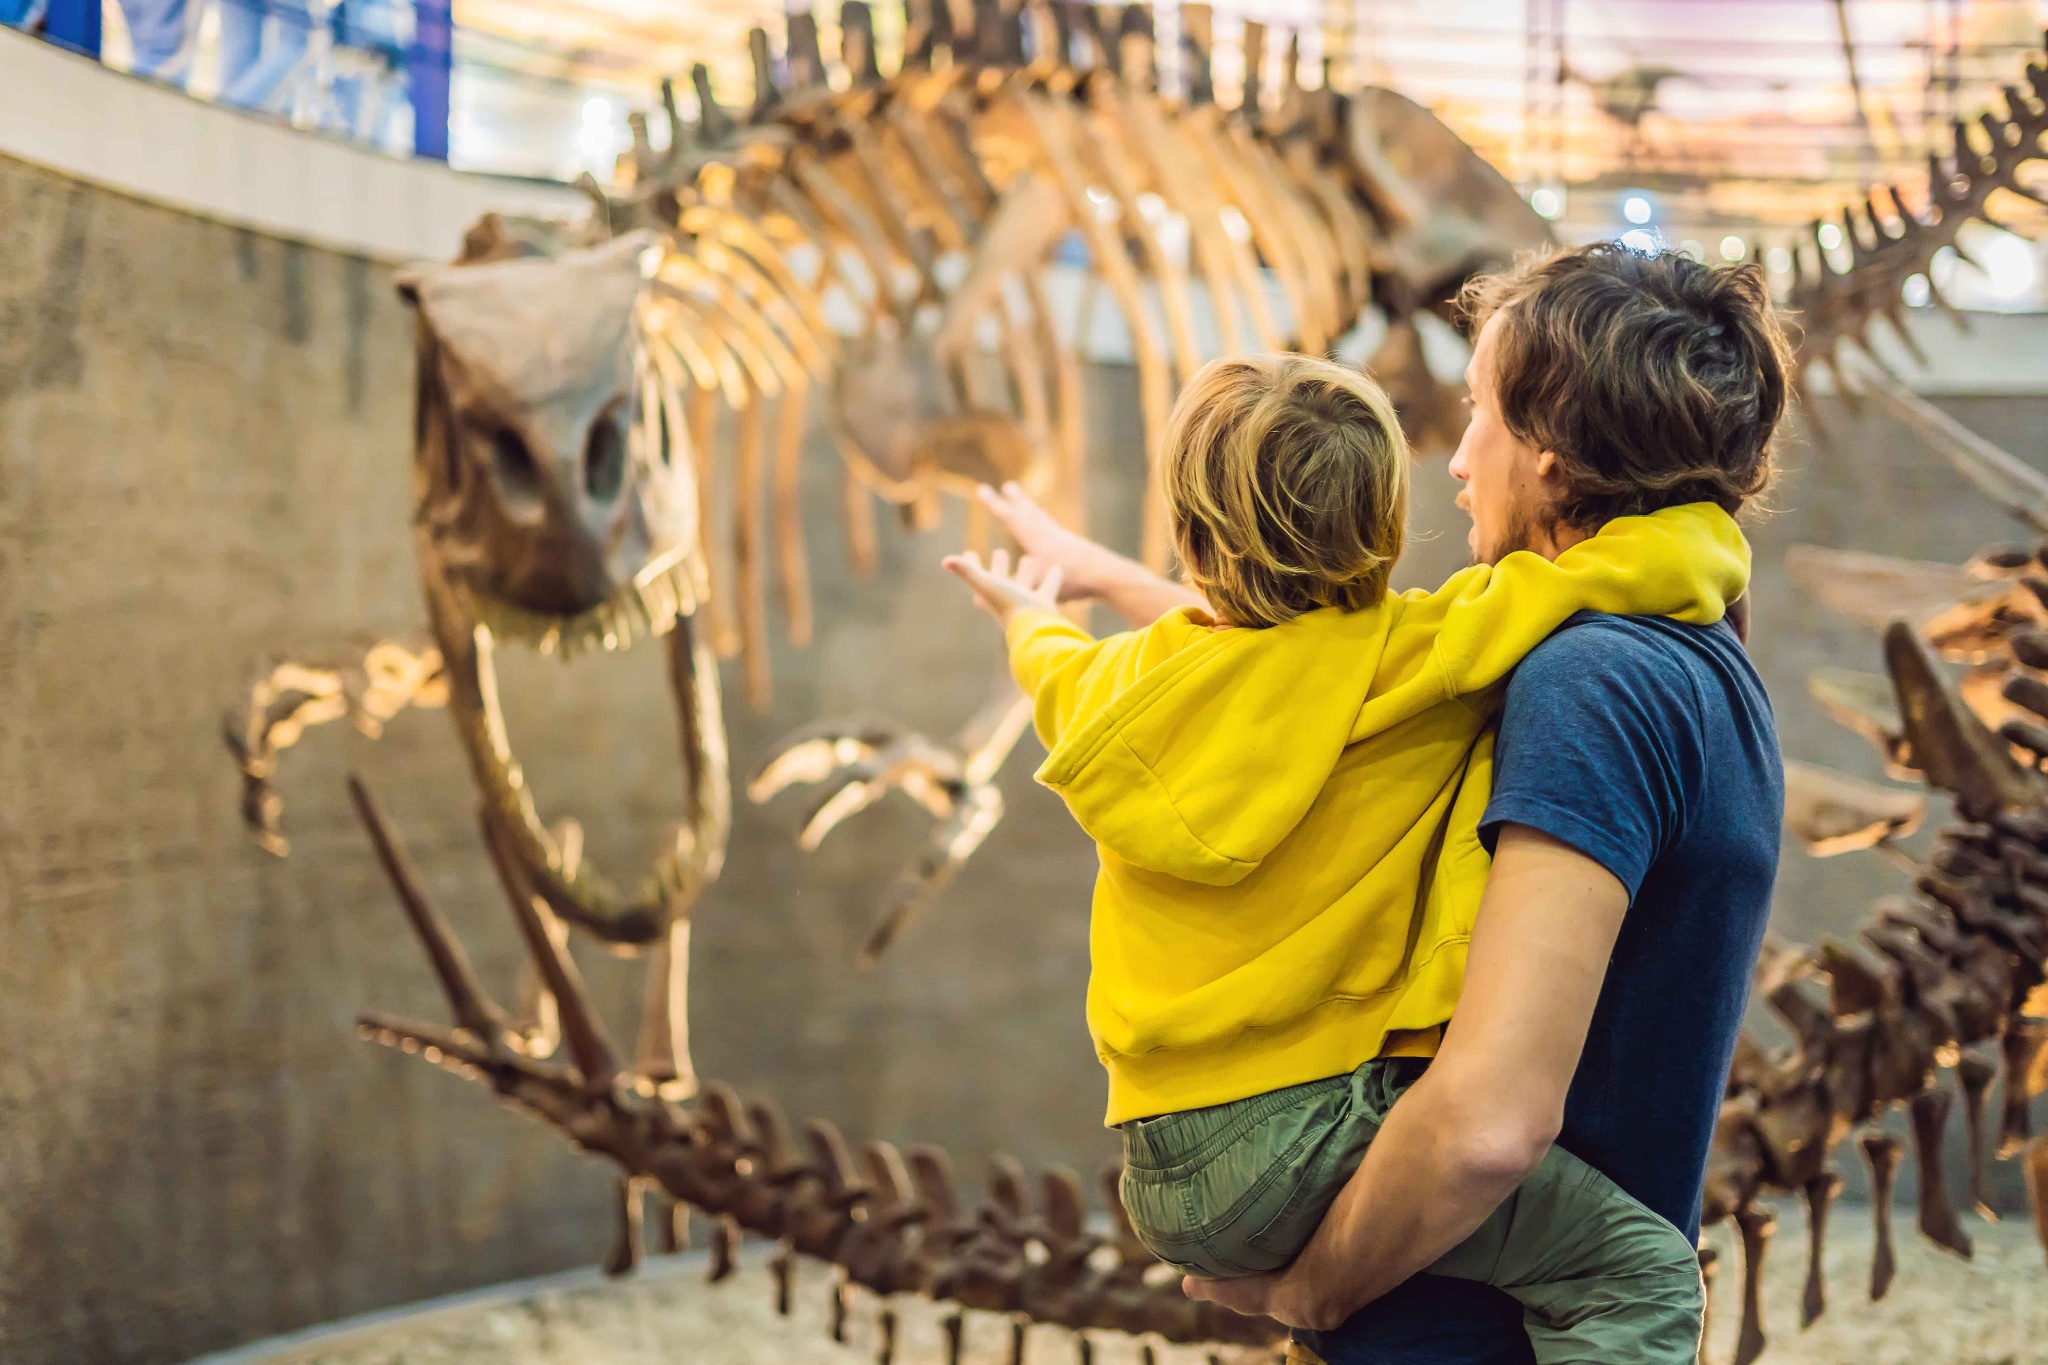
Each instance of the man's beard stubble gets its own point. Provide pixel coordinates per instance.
(1525, 530)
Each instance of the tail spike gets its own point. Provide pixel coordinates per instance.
(857, 43)
(781, 1159)
(932, 1171)
(467, 1002)
(714, 125)
(723, 1117)
(678, 132)
(1064, 1207)
(1254, 69)
(802, 58)
(1968, 162)
(843, 1181)
(927, 26)
(1006, 1185)
(894, 1192)
(1854, 235)
(766, 93)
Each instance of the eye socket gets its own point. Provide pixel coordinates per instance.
(604, 459)
(514, 464)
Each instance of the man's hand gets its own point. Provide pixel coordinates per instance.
(1130, 589)
(1481, 1117)
(1279, 1296)
(1001, 591)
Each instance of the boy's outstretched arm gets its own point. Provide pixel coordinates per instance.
(1487, 1109)
(1130, 589)
(1003, 591)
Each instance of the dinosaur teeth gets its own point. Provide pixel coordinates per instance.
(634, 611)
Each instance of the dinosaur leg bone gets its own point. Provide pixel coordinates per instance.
(1820, 1193)
(1881, 1151)
(2035, 1165)
(1976, 1074)
(1938, 1221)
(1756, 1225)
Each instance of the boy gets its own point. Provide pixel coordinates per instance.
(1285, 792)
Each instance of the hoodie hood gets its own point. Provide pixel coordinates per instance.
(1209, 760)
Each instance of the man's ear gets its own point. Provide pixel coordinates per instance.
(1546, 461)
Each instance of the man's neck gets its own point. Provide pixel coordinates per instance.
(1557, 538)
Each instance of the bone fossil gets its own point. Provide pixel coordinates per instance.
(593, 396)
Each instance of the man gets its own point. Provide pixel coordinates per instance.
(1633, 820)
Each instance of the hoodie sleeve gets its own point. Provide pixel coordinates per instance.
(1053, 660)
(1684, 562)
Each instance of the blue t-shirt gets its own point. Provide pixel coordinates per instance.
(1649, 746)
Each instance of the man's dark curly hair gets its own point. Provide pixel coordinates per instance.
(1655, 380)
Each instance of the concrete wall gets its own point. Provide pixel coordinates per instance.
(203, 446)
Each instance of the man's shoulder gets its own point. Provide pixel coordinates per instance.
(1596, 654)
(1637, 641)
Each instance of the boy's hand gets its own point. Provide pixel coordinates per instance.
(1001, 591)
(1086, 568)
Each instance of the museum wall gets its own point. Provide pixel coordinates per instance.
(203, 467)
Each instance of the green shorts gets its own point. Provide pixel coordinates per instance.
(1239, 1188)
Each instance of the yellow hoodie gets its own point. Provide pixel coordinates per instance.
(1288, 818)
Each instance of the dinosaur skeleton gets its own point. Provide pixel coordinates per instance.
(565, 501)
(595, 397)
(1950, 977)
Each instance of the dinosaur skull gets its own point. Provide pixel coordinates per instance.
(555, 505)
(547, 499)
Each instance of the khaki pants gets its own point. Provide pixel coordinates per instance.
(1239, 1188)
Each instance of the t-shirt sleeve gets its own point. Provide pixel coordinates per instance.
(1598, 748)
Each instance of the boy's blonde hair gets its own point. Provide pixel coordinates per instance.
(1287, 480)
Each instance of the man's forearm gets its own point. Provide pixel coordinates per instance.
(1137, 594)
(1377, 1233)
(1487, 1109)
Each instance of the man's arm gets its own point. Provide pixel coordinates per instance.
(1485, 1112)
(1130, 589)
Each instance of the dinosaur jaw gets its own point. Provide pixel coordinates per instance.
(546, 862)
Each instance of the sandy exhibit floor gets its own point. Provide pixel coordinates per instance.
(1940, 1311)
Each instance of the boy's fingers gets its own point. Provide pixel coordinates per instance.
(999, 564)
(1049, 586)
